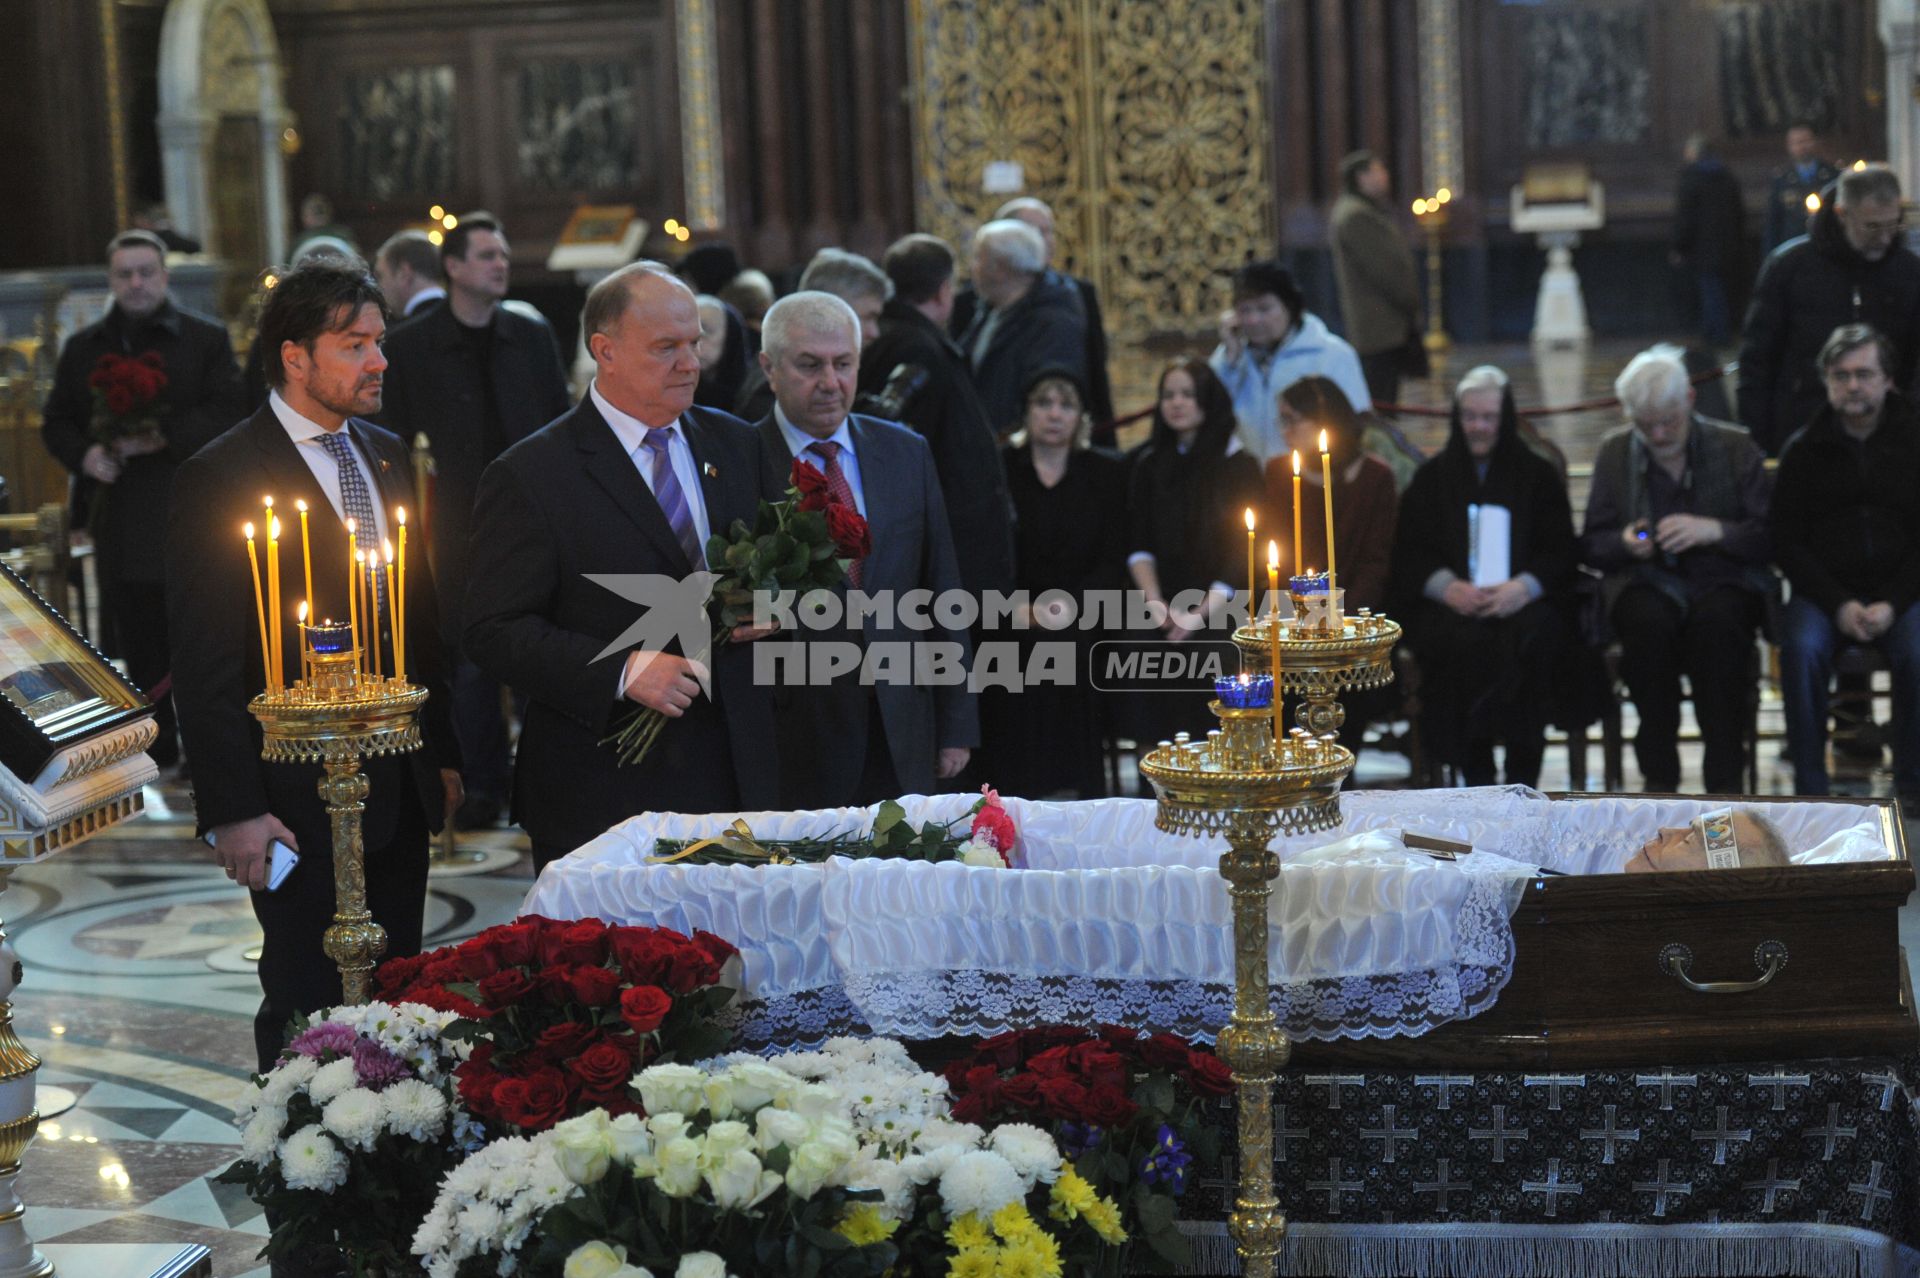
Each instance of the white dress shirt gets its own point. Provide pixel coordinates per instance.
(798, 440)
(633, 434)
(306, 433)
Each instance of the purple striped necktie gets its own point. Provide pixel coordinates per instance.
(672, 498)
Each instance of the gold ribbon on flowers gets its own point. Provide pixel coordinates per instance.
(738, 841)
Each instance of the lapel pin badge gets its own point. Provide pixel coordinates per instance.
(710, 470)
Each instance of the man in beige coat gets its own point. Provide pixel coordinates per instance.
(1379, 287)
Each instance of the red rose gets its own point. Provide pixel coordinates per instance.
(594, 986)
(582, 942)
(505, 988)
(445, 1000)
(849, 532)
(604, 1067)
(811, 485)
(689, 969)
(1209, 1074)
(556, 983)
(558, 1042)
(1062, 1097)
(397, 974)
(477, 962)
(717, 948)
(1165, 1051)
(642, 953)
(443, 970)
(535, 1102)
(512, 943)
(1002, 1049)
(1108, 1107)
(1022, 1090)
(1095, 1058)
(644, 1007)
(119, 400)
(1051, 1063)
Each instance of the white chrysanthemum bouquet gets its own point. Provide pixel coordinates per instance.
(838, 1162)
(346, 1139)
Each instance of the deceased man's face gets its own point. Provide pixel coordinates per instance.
(1684, 848)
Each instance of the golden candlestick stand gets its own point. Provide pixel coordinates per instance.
(1431, 212)
(337, 717)
(1250, 783)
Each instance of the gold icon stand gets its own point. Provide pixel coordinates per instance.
(338, 717)
(1249, 783)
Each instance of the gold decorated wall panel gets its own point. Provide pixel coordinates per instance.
(1143, 125)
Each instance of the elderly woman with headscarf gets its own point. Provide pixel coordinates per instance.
(1484, 549)
(1677, 519)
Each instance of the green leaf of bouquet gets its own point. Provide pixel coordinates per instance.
(890, 815)
(809, 526)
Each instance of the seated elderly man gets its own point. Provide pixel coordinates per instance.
(1725, 838)
(1677, 520)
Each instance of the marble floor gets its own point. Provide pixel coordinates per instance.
(138, 993)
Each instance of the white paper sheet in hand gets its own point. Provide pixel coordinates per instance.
(1489, 544)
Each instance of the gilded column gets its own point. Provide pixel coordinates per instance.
(701, 173)
(1441, 154)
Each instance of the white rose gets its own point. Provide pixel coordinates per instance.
(723, 1139)
(581, 1147)
(595, 1260)
(735, 1180)
(679, 1089)
(811, 1166)
(755, 1084)
(984, 855)
(701, 1264)
(666, 1127)
(780, 1127)
(814, 1100)
(628, 1138)
(679, 1173)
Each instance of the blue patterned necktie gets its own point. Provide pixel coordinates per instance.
(354, 498)
(672, 498)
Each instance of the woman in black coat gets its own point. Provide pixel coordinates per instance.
(1488, 652)
(1186, 539)
(1070, 539)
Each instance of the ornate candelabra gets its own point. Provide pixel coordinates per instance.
(1250, 782)
(339, 716)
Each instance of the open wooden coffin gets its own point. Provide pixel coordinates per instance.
(1694, 967)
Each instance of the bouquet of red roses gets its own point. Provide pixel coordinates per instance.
(564, 1013)
(1125, 1108)
(125, 390)
(803, 543)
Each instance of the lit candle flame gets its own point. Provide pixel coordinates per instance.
(248, 530)
(400, 513)
(1249, 519)
(300, 505)
(386, 551)
(301, 612)
(1296, 461)
(1323, 442)
(1813, 201)
(1273, 556)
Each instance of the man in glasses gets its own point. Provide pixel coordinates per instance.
(1677, 521)
(1846, 528)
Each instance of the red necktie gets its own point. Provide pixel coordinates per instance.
(838, 486)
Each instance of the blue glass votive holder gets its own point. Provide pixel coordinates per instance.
(328, 639)
(1245, 691)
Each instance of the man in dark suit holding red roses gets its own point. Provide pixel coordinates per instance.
(861, 740)
(627, 488)
(123, 453)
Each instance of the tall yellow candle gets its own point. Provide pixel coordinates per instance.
(273, 592)
(1326, 482)
(1273, 633)
(1253, 582)
(400, 600)
(353, 596)
(375, 623)
(259, 608)
(369, 625)
(300, 633)
(1297, 542)
(393, 611)
(306, 562)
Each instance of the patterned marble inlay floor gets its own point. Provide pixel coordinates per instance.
(139, 998)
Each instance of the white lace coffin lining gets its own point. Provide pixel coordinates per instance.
(1112, 920)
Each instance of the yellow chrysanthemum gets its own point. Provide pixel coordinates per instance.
(1013, 1224)
(1105, 1219)
(864, 1224)
(974, 1262)
(969, 1232)
(1027, 1261)
(1071, 1195)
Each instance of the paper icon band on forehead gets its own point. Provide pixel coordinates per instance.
(1716, 836)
